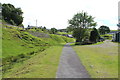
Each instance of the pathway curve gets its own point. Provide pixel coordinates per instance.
(70, 65)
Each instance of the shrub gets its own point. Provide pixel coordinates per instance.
(94, 35)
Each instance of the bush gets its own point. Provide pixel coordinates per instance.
(94, 35)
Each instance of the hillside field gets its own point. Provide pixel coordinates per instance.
(19, 45)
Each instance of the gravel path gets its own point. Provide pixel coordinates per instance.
(70, 65)
(107, 43)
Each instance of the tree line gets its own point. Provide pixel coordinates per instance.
(11, 14)
(83, 27)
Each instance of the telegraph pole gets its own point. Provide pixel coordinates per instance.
(36, 22)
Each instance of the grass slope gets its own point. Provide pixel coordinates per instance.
(100, 61)
(0, 38)
(0, 49)
(20, 46)
(43, 65)
(17, 42)
(13, 46)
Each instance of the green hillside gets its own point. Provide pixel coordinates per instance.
(21, 42)
(19, 45)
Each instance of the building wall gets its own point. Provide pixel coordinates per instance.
(118, 37)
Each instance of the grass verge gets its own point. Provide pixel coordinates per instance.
(100, 62)
(43, 65)
(73, 44)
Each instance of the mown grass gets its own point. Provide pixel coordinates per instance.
(100, 62)
(97, 43)
(73, 44)
(43, 65)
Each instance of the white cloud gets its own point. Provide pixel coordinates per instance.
(55, 13)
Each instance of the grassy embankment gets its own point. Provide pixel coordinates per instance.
(0, 38)
(22, 50)
(43, 65)
(0, 48)
(101, 61)
(107, 36)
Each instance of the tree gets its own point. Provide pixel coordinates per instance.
(94, 35)
(104, 29)
(79, 34)
(11, 14)
(16, 16)
(53, 30)
(80, 24)
(69, 29)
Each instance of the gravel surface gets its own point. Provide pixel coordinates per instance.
(107, 43)
(39, 34)
(70, 65)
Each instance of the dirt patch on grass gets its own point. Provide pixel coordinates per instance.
(39, 34)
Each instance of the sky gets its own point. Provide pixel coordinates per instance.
(56, 13)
